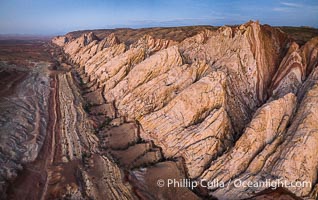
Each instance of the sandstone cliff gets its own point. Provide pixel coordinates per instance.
(233, 103)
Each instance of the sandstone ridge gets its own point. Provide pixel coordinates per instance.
(213, 104)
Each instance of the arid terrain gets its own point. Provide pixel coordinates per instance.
(117, 113)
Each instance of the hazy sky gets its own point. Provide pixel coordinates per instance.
(61, 16)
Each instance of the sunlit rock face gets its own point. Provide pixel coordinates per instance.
(232, 103)
(236, 103)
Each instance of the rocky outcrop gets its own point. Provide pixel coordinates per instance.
(294, 68)
(24, 118)
(194, 119)
(233, 105)
(248, 55)
(48, 145)
(251, 151)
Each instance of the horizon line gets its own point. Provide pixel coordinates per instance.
(135, 28)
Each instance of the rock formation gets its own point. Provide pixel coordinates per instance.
(227, 101)
(236, 103)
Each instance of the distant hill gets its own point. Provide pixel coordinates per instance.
(24, 37)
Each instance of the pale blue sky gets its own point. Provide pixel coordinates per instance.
(61, 16)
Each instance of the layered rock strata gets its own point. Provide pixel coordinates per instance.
(232, 103)
(237, 103)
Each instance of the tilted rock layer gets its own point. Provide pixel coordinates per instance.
(233, 103)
